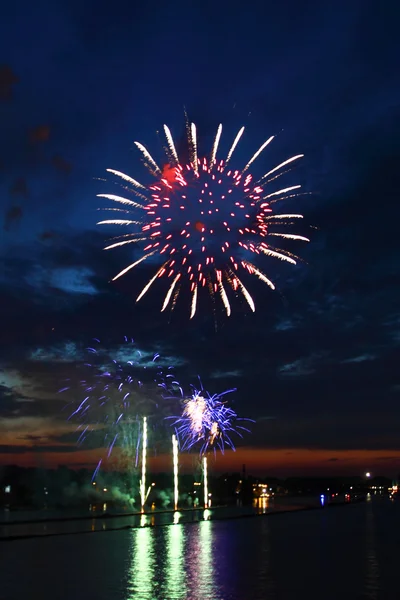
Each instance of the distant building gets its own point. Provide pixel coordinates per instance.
(262, 490)
(267, 490)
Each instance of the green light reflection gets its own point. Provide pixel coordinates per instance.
(175, 577)
(144, 567)
(172, 563)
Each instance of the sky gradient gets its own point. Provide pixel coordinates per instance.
(317, 364)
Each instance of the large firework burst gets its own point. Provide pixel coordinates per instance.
(204, 221)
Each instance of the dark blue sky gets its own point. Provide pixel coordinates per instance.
(79, 82)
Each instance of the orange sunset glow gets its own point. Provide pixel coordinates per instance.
(258, 461)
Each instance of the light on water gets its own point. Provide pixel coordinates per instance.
(175, 573)
(187, 558)
(258, 558)
(143, 563)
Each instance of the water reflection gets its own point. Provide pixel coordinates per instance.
(372, 565)
(180, 565)
(144, 520)
(200, 565)
(175, 580)
(262, 504)
(206, 562)
(266, 581)
(143, 570)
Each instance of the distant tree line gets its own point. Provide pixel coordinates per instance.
(67, 488)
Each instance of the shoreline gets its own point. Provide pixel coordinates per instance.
(212, 517)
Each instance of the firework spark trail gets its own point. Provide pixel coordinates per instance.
(129, 267)
(225, 299)
(171, 145)
(143, 494)
(125, 178)
(118, 222)
(289, 216)
(261, 276)
(290, 236)
(97, 469)
(121, 200)
(216, 143)
(205, 477)
(194, 302)
(270, 252)
(150, 283)
(257, 154)
(280, 192)
(137, 451)
(169, 293)
(235, 143)
(123, 243)
(283, 164)
(175, 464)
(201, 219)
(193, 138)
(246, 294)
(148, 158)
(112, 445)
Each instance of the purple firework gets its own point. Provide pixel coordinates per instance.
(206, 419)
(114, 399)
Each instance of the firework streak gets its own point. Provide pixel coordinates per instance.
(143, 494)
(175, 463)
(205, 476)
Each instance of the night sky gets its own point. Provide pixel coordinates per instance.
(317, 363)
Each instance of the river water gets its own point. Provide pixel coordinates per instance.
(344, 552)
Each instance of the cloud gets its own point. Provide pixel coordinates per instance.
(65, 352)
(300, 367)
(285, 325)
(72, 352)
(73, 280)
(145, 358)
(359, 359)
(18, 427)
(12, 381)
(32, 390)
(226, 374)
